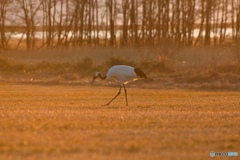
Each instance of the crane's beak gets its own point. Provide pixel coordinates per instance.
(93, 80)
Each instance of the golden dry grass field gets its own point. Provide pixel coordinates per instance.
(68, 122)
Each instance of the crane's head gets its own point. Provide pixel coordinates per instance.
(95, 77)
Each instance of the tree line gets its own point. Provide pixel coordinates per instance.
(46, 24)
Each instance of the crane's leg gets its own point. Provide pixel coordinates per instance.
(115, 96)
(125, 94)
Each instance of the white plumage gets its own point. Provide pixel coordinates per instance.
(122, 73)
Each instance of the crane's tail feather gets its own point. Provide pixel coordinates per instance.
(140, 73)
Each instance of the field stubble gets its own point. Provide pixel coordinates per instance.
(68, 122)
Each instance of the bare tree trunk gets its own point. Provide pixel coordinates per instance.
(66, 24)
(172, 21)
(190, 22)
(225, 20)
(111, 21)
(178, 34)
(125, 7)
(132, 21)
(76, 23)
(144, 17)
(106, 21)
(97, 23)
(238, 21)
(27, 22)
(49, 24)
(94, 24)
(150, 22)
(29, 16)
(165, 27)
(207, 40)
(136, 24)
(222, 21)
(3, 4)
(81, 32)
(202, 22)
(59, 38)
(159, 21)
(232, 20)
(184, 33)
(43, 22)
(217, 21)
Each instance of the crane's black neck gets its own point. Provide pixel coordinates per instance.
(102, 77)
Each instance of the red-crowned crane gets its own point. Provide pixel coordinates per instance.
(124, 74)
